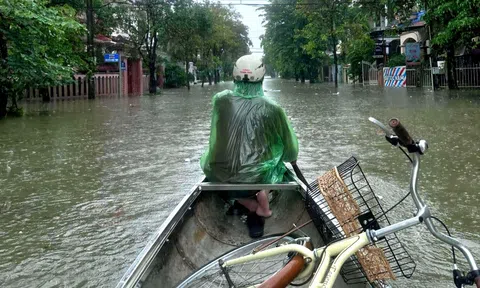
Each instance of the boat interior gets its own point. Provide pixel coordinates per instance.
(205, 232)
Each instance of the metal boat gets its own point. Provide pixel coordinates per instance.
(199, 230)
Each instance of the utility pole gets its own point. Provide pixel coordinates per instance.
(90, 50)
(335, 60)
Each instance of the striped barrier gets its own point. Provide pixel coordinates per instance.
(395, 76)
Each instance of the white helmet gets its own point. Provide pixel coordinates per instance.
(249, 68)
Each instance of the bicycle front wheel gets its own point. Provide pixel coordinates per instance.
(242, 275)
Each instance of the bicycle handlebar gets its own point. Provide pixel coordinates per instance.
(423, 214)
(401, 132)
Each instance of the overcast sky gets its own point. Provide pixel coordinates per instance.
(251, 18)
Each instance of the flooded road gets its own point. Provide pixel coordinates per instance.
(83, 184)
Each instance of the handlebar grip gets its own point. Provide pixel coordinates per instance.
(400, 131)
(477, 281)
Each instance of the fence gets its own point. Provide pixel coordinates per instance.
(369, 73)
(104, 85)
(419, 77)
(146, 83)
(467, 77)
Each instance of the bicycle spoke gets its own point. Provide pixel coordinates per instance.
(265, 269)
(242, 275)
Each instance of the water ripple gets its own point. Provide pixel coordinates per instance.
(88, 184)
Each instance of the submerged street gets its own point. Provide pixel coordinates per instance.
(84, 184)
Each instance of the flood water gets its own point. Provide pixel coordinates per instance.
(83, 184)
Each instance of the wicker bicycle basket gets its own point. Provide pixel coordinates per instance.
(343, 204)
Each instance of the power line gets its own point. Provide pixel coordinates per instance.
(138, 6)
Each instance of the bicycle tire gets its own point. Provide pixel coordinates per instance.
(243, 275)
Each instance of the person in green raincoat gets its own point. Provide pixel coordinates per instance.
(250, 141)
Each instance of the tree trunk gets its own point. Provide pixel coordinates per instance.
(335, 58)
(302, 76)
(44, 93)
(4, 83)
(313, 75)
(152, 63)
(209, 78)
(152, 86)
(3, 101)
(90, 51)
(452, 81)
(335, 61)
(188, 75)
(14, 106)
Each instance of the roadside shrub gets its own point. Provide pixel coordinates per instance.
(175, 77)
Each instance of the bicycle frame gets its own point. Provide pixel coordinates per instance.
(341, 250)
(344, 249)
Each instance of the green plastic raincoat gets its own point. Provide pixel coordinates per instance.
(250, 138)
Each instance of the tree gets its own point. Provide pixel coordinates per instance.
(285, 42)
(145, 22)
(205, 30)
(210, 35)
(38, 47)
(100, 19)
(357, 46)
(183, 25)
(326, 17)
(229, 40)
(454, 24)
(390, 9)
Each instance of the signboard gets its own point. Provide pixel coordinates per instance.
(412, 53)
(395, 76)
(111, 57)
(440, 69)
(441, 64)
(123, 66)
(378, 50)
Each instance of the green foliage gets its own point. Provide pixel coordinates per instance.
(15, 111)
(299, 31)
(210, 35)
(286, 41)
(42, 45)
(357, 46)
(396, 60)
(104, 13)
(455, 22)
(175, 76)
(391, 9)
(359, 50)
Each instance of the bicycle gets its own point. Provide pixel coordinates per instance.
(292, 258)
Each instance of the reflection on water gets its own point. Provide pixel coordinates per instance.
(86, 182)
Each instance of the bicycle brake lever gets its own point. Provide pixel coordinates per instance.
(458, 278)
(388, 133)
(392, 139)
(461, 280)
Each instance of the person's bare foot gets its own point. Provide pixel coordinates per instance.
(263, 213)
